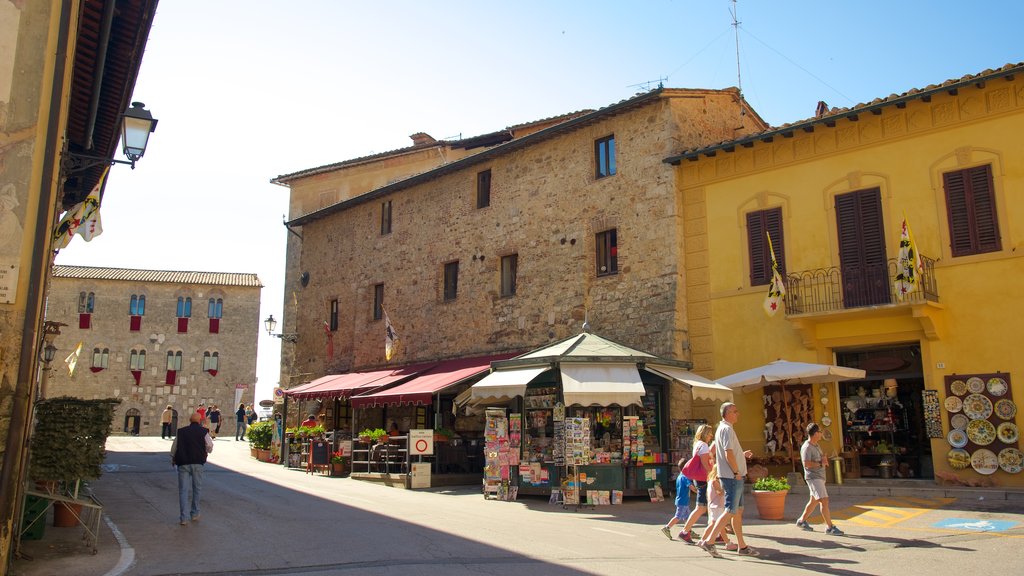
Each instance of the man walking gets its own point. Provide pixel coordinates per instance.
(166, 417)
(815, 464)
(188, 453)
(731, 463)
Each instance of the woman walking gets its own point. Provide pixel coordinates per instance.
(702, 450)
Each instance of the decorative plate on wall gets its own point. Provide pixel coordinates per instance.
(981, 432)
(957, 438)
(954, 403)
(977, 407)
(984, 461)
(959, 421)
(1011, 460)
(1006, 409)
(826, 421)
(958, 387)
(997, 386)
(1007, 433)
(975, 385)
(958, 459)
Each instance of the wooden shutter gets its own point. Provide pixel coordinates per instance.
(862, 256)
(757, 244)
(971, 209)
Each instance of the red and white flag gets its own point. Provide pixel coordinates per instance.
(390, 337)
(82, 218)
(909, 266)
(776, 289)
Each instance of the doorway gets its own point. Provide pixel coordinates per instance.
(132, 421)
(884, 434)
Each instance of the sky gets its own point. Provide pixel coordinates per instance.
(246, 90)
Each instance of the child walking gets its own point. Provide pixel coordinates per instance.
(716, 507)
(682, 501)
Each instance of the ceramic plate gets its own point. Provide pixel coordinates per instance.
(958, 459)
(975, 385)
(984, 461)
(827, 435)
(1007, 433)
(1011, 460)
(824, 400)
(977, 407)
(958, 387)
(954, 403)
(997, 386)
(981, 432)
(957, 438)
(826, 421)
(959, 421)
(1006, 409)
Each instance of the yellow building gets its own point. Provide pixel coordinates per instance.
(943, 372)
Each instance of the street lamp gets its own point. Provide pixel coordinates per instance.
(271, 324)
(136, 125)
(48, 353)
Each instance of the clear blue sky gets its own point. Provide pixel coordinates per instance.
(248, 90)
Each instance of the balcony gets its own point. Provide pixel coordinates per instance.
(826, 290)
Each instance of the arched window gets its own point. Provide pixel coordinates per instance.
(86, 302)
(216, 308)
(137, 307)
(174, 360)
(100, 358)
(137, 360)
(184, 307)
(211, 361)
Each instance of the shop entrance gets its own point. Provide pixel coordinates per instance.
(883, 423)
(132, 421)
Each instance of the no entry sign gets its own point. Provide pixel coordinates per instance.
(421, 442)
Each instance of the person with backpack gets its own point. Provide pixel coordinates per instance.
(682, 501)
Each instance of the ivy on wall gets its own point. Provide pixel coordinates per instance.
(70, 438)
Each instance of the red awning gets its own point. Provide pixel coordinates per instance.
(340, 385)
(308, 385)
(419, 391)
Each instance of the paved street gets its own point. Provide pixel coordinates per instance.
(262, 519)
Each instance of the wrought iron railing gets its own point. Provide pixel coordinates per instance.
(841, 288)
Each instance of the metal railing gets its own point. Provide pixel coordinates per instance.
(841, 288)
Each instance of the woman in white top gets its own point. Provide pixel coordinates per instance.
(702, 450)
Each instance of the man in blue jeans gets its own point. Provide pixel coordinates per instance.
(732, 468)
(188, 453)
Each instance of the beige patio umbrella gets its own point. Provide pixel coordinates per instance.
(784, 372)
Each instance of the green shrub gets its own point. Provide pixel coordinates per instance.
(260, 434)
(771, 484)
(70, 438)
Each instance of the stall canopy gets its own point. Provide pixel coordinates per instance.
(419, 390)
(502, 385)
(700, 387)
(601, 384)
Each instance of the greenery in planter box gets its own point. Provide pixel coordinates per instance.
(260, 434)
(771, 484)
(374, 434)
(446, 432)
(70, 438)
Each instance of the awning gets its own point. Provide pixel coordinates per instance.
(420, 390)
(308, 385)
(601, 384)
(504, 384)
(700, 387)
(341, 385)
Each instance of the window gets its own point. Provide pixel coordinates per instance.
(100, 358)
(483, 189)
(607, 253)
(385, 217)
(216, 308)
(378, 301)
(138, 305)
(211, 362)
(604, 156)
(184, 307)
(333, 324)
(509, 266)
(451, 280)
(971, 209)
(86, 302)
(137, 360)
(174, 360)
(759, 225)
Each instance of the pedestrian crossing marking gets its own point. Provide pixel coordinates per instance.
(888, 511)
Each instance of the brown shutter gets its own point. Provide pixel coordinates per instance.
(971, 208)
(986, 225)
(757, 244)
(960, 237)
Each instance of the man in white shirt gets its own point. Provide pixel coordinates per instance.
(731, 462)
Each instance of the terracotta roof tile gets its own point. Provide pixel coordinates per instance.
(167, 276)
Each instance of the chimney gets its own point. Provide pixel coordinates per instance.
(821, 110)
(422, 138)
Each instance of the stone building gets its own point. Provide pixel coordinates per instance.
(506, 248)
(155, 338)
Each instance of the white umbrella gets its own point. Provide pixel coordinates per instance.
(784, 372)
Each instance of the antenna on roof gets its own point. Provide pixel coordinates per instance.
(649, 85)
(739, 79)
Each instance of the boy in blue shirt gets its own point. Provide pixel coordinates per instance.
(682, 501)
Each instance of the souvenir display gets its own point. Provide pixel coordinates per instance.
(958, 387)
(975, 385)
(997, 386)
(977, 407)
(1006, 409)
(981, 432)
(932, 413)
(959, 421)
(984, 461)
(1007, 433)
(958, 459)
(1011, 460)
(957, 438)
(954, 404)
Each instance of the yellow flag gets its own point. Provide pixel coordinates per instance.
(72, 359)
(776, 289)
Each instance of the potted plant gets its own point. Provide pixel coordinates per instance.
(373, 435)
(339, 464)
(260, 436)
(770, 495)
(442, 434)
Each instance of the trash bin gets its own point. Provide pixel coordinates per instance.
(33, 518)
(837, 469)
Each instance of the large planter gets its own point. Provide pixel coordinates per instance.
(263, 455)
(339, 469)
(66, 515)
(770, 505)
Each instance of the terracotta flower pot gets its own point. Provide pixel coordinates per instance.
(66, 515)
(770, 505)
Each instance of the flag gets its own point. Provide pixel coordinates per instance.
(776, 289)
(72, 359)
(330, 341)
(908, 263)
(390, 337)
(82, 218)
